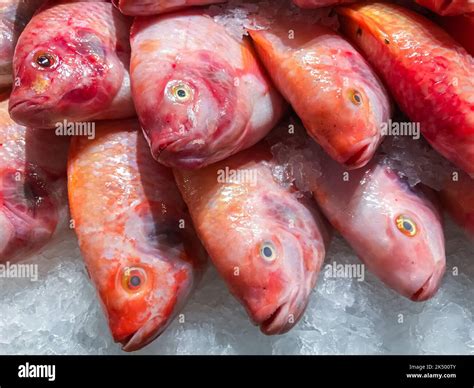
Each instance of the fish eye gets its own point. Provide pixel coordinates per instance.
(406, 225)
(44, 60)
(133, 278)
(179, 91)
(356, 97)
(268, 251)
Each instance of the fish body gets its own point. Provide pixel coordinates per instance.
(201, 96)
(428, 73)
(330, 86)
(134, 231)
(33, 193)
(71, 63)
(266, 243)
(457, 197)
(461, 28)
(153, 7)
(14, 15)
(396, 231)
(448, 7)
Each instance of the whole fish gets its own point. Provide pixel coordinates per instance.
(33, 194)
(448, 7)
(134, 232)
(395, 230)
(14, 15)
(71, 63)
(319, 3)
(201, 96)
(338, 97)
(266, 243)
(461, 28)
(457, 197)
(428, 73)
(153, 7)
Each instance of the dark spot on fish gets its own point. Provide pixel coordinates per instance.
(135, 281)
(359, 31)
(386, 41)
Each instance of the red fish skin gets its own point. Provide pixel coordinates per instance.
(460, 28)
(33, 193)
(448, 7)
(457, 198)
(427, 72)
(153, 7)
(87, 78)
(130, 218)
(234, 219)
(318, 72)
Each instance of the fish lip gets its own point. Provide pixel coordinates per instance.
(15, 109)
(363, 155)
(278, 321)
(146, 334)
(430, 286)
(169, 153)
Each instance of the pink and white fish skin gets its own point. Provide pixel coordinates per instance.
(274, 240)
(14, 15)
(72, 62)
(201, 96)
(366, 211)
(153, 7)
(33, 193)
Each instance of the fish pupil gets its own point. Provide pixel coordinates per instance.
(135, 281)
(44, 61)
(181, 93)
(407, 226)
(267, 251)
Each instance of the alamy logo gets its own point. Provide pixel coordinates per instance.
(72, 128)
(229, 175)
(350, 271)
(9, 270)
(31, 371)
(395, 128)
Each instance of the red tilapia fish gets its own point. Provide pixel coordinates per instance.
(267, 244)
(153, 7)
(134, 232)
(448, 7)
(33, 194)
(340, 100)
(14, 15)
(396, 231)
(71, 63)
(202, 95)
(429, 74)
(457, 197)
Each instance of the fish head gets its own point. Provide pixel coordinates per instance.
(141, 294)
(61, 74)
(407, 223)
(275, 273)
(191, 103)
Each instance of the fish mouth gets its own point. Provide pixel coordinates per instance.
(285, 316)
(29, 113)
(362, 155)
(146, 334)
(429, 287)
(177, 153)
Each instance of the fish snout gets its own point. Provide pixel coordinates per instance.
(431, 285)
(145, 334)
(32, 112)
(7, 235)
(286, 315)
